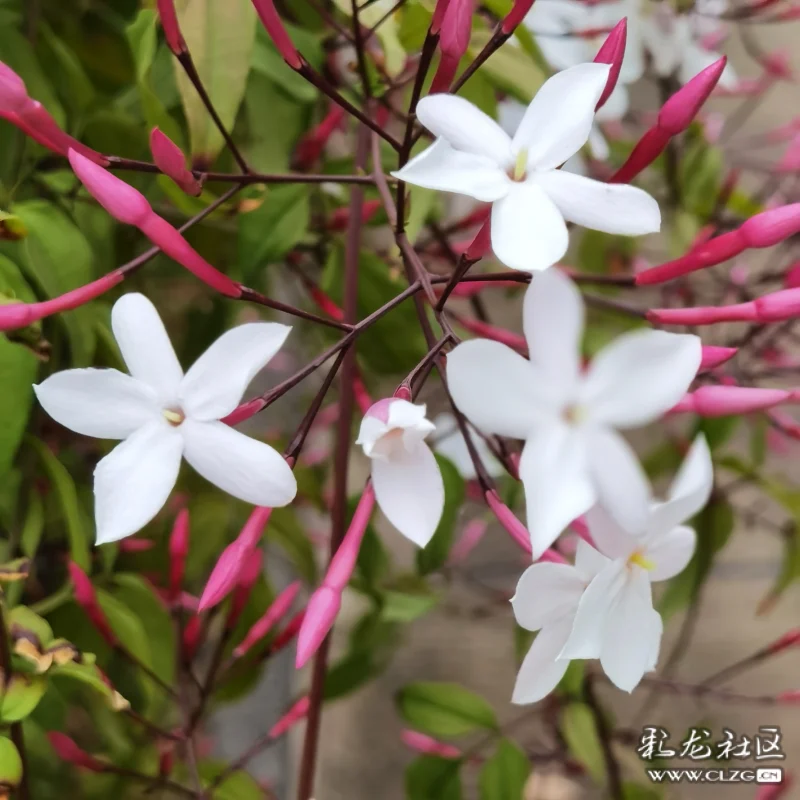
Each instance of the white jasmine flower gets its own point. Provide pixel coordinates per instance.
(163, 415)
(531, 198)
(569, 417)
(408, 484)
(602, 606)
(451, 444)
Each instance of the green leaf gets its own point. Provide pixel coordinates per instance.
(18, 368)
(433, 778)
(26, 620)
(504, 775)
(718, 430)
(407, 599)
(143, 40)
(269, 63)
(20, 696)
(220, 36)
(136, 594)
(271, 230)
(444, 709)
(239, 786)
(33, 527)
(67, 72)
(509, 69)
(67, 495)
(434, 555)
(580, 733)
(127, 626)
(10, 763)
(88, 674)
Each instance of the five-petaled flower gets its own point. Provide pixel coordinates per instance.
(568, 417)
(602, 606)
(408, 484)
(164, 415)
(531, 197)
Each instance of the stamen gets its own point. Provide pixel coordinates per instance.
(521, 165)
(574, 415)
(173, 417)
(640, 561)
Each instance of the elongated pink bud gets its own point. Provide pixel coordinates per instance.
(178, 552)
(277, 32)
(612, 51)
(516, 15)
(713, 357)
(86, 598)
(245, 411)
(39, 119)
(68, 751)
(790, 160)
(234, 558)
(519, 533)
(190, 638)
(453, 42)
(289, 632)
(169, 158)
(363, 399)
(427, 745)
(489, 331)
(326, 601)
(13, 94)
(792, 697)
(481, 244)
(720, 401)
(18, 315)
(341, 216)
(774, 307)
(776, 791)
(251, 571)
(470, 537)
(438, 15)
(790, 639)
(169, 22)
(297, 712)
(310, 147)
(261, 629)
(673, 118)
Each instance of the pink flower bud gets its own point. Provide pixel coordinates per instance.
(488, 331)
(122, 201)
(250, 573)
(363, 399)
(289, 632)
(169, 158)
(261, 629)
(518, 12)
(86, 598)
(13, 94)
(39, 119)
(327, 599)
(280, 38)
(791, 280)
(552, 555)
(646, 151)
(178, 552)
(453, 42)
(776, 790)
(244, 411)
(296, 713)
(612, 51)
(792, 697)
(68, 751)
(234, 558)
(169, 22)
(190, 638)
(790, 639)
(135, 545)
(519, 533)
(438, 15)
(719, 401)
(678, 112)
(427, 745)
(713, 357)
(470, 537)
(310, 147)
(481, 244)
(771, 227)
(790, 160)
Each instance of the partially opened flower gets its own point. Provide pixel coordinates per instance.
(451, 444)
(532, 198)
(408, 484)
(615, 620)
(568, 416)
(602, 606)
(164, 415)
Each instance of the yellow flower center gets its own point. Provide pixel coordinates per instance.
(639, 559)
(173, 416)
(574, 415)
(520, 166)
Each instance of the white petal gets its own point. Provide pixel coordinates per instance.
(670, 552)
(104, 403)
(552, 22)
(598, 146)
(588, 561)
(614, 108)
(689, 491)
(510, 114)
(541, 670)
(563, 51)
(132, 483)
(410, 492)
(465, 127)
(558, 487)
(619, 479)
(145, 346)
(452, 445)
(609, 538)
(586, 638)
(216, 382)
(494, 387)
(560, 116)
(696, 59)
(666, 35)
(241, 466)
(553, 319)
(608, 207)
(633, 62)
(640, 376)
(631, 633)
(444, 169)
(528, 231)
(545, 593)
